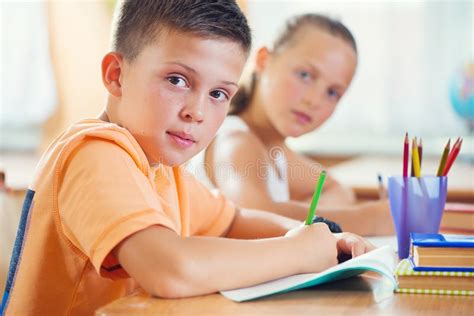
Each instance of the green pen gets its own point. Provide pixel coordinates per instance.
(314, 202)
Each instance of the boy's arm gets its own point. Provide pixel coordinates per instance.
(250, 224)
(168, 265)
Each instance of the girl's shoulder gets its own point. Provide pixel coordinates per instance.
(233, 123)
(235, 139)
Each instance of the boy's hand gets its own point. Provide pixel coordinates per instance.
(352, 245)
(317, 246)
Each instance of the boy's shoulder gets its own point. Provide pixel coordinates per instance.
(95, 128)
(90, 131)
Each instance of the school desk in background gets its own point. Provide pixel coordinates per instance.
(458, 218)
(361, 175)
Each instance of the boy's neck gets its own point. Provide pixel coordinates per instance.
(104, 117)
(260, 124)
(109, 114)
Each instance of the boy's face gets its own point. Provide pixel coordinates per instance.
(175, 94)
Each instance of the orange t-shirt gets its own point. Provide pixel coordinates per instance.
(94, 187)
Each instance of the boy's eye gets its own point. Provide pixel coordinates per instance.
(333, 94)
(219, 95)
(177, 81)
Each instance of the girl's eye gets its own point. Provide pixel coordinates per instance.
(177, 81)
(333, 94)
(306, 76)
(219, 95)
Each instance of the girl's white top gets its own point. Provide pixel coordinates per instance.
(275, 176)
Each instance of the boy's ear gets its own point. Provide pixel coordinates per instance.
(112, 66)
(263, 54)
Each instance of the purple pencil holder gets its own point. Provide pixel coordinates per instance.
(417, 206)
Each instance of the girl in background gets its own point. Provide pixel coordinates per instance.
(294, 89)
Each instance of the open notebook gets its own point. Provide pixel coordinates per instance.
(381, 260)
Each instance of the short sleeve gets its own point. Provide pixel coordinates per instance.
(104, 198)
(211, 212)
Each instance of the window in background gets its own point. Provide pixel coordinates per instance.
(408, 53)
(28, 93)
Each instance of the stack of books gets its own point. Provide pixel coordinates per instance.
(458, 218)
(438, 264)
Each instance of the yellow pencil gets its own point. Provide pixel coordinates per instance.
(416, 159)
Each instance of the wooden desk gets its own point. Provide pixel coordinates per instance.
(361, 174)
(360, 295)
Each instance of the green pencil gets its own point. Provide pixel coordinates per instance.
(314, 202)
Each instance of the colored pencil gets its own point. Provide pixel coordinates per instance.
(442, 162)
(452, 156)
(420, 152)
(382, 191)
(415, 159)
(452, 151)
(405, 156)
(316, 195)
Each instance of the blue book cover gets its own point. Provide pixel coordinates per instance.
(442, 240)
(440, 269)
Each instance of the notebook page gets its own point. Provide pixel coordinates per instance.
(381, 260)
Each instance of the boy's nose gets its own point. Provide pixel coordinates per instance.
(193, 112)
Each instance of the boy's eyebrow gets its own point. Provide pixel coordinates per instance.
(190, 69)
(182, 65)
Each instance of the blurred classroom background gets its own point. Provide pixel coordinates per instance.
(413, 57)
(415, 75)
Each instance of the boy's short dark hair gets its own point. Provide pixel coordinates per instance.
(139, 22)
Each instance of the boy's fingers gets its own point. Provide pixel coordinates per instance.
(358, 248)
(345, 244)
(369, 246)
(354, 245)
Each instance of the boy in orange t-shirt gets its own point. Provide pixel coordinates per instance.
(111, 208)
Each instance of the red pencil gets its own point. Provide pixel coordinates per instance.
(452, 151)
(405, 156)
(452, 156)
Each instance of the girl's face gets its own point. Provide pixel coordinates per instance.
(300, 84)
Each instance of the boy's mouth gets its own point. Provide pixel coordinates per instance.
(182, 139)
